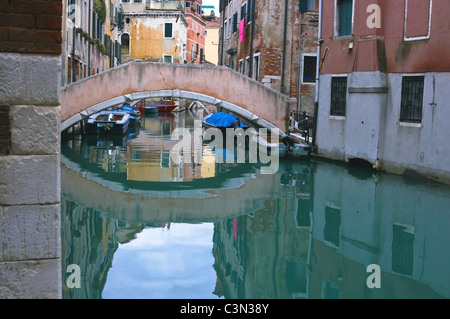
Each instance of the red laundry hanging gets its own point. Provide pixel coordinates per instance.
(241, 30)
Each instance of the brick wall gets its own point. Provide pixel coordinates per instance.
(31, 26)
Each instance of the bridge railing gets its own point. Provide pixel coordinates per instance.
(302, 124)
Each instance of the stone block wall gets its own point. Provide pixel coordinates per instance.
(30, 73)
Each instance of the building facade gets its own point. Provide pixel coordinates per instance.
(212, 39)
(154, 31)
(196, 32)
(273, 42)
(384, 84)
(91, 41)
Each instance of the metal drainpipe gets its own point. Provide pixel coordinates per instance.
(299, 72)
(222, 16)
(89, 43)
(283, 64)
(316, 100)
(251, 38)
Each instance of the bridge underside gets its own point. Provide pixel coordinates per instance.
(179, 94)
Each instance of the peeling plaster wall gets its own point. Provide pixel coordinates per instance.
(147, 40)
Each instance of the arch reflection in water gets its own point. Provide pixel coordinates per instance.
(309, 231)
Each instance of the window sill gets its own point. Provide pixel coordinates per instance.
(337, 117)
(344, 37)
(408, 124)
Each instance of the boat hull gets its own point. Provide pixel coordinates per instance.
(108, 122)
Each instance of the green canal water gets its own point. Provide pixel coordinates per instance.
(138, 224)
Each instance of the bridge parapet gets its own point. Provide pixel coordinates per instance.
(219, 86)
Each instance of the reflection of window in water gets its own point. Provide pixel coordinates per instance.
(296, 278)
(402, 249)
(136, 156)
(332, 225)
(330, 290)
(165, 159)
(303, 219)
(166, 128)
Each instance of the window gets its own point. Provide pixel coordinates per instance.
(199, 9)
(247, 66)
(235, 17)
(225, 30)
(249, 10)
(256, 66)
(188, 4)
(338, 96)
(168, 58)
(241, 64)
(244, 11)
(168, 30)
(125, 39)
(202, 56)
(193, 55)
(344, 18)
(309, 5)
(309, 69)
(229, 27)
(136, 0)
(412, 99)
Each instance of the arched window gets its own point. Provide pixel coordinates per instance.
(125, 39)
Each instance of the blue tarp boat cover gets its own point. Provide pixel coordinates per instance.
(221, 119)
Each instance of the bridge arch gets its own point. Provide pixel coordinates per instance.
(219, 86)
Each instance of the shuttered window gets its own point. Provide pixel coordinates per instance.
(168, 30)
(345, 17)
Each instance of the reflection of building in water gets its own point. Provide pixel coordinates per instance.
(90, 241)
(319, 246)
(265, 254)
(360, 220)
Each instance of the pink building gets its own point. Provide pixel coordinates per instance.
(195, 43)
(383, 85)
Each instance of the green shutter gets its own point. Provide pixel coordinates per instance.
(303, 5)
(345, 17)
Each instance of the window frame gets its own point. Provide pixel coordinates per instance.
(165, 30)
(337, 34)
(430, 14)
(256, 66)
(167, 55)
(313, 82)
(334, 111)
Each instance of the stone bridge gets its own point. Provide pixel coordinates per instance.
(218, 86)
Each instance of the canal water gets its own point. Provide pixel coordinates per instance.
(140, 224)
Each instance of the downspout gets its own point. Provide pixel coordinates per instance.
(89, 43)
(299, 72)
(252, 30)
(316, 99)
(283, 63)
(222, 16)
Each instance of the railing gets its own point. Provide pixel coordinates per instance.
(302, 123)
